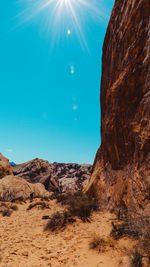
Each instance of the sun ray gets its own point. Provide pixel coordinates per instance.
(59, 13)
(78, 25)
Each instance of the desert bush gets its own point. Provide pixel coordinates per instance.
(40, 204)
(14, 207)
(136, 259)
(6, 212)
(45, 198)
(65, 199)
(97, 243)
(4, 205)
(135, 225)
(79, 205)
(144, 242)
(125, 229)
(58, 221)
(19, 199)
(100, 244)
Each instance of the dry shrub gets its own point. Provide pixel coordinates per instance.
(58, 221)
(6, 209)
(14, 207)
(18, 200)
(136, 259)
(101, 244)
(136, 226)
(98, 243)
(125, 229)
(6, 212)
(144, 242)
(4, 205)
(43, 205)
(79, 205)
(45, 198)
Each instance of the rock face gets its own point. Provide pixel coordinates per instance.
(121, 171)
(55, 177)
(5, 167)
(12, 188)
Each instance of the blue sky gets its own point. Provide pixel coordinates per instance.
(50, 81)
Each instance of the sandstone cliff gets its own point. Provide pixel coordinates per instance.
(121, 171)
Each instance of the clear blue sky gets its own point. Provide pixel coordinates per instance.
(50, 79)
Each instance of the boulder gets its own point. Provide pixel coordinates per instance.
(121, 170)
(5, 167)
(12, 188)
(34, 171)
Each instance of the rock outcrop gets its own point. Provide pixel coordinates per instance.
(13, 188)
(70, 177)
(34, 171)
(5, 167)
(121, 171)
(55, 177)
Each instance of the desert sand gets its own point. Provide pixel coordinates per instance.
(25, 244)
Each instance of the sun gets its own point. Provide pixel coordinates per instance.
(64, 17)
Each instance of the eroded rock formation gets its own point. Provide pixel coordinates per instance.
(121, 171)
(56, 176)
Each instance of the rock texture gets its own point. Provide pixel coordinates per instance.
(55, 177)
(12, 188)
(121, 171)
(5, 167)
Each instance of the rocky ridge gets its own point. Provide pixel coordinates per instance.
(60, 177)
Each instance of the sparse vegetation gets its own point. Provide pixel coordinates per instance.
(7, 209)
(14, 207)
(43, 205)
(6, 212)
(136, 226)
(58, 221)
(4, 205)
(124, 229)
(79, 205)
(19, 199)
(144, 242)
(100, 244)
(136, 259)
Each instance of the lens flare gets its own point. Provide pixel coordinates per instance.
(64, 16)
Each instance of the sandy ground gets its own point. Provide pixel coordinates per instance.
(23, 243)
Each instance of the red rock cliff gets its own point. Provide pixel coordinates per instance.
(121, 171)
